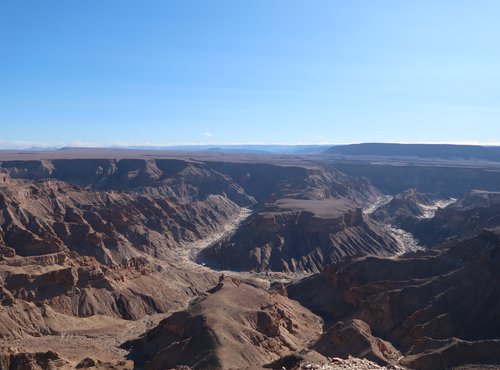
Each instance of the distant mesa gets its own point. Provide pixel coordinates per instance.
(424, 151)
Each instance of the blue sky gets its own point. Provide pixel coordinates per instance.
(263, 71)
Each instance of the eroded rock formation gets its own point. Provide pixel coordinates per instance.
(431, 306)
(236, 326)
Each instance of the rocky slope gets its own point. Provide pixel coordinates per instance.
(236, 325)
(467, 217)
(405, 207)
(305, 225)
(433, 221)
(301, 236)
(438, 308)
(107, 246)
(157, 212)
(268, 182)
(50, 360)
(41, 295)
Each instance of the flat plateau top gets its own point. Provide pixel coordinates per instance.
(322, 208)
(300, 160)
(105, 153)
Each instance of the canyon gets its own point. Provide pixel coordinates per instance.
(121, 259)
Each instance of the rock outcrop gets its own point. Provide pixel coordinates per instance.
(354, 336)
(301, 236)
(236, 326)
(32, 361)
(48, 216)
(304, 225)
(300, 362)
(406, 207)
(430, 305)
(40, 294)
(50, 360)
(465, 218)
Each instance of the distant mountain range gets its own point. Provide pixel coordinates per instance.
(351, 151)
(280, 149)
(425, 151)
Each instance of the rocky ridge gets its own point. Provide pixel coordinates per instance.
(406, 207)
(467, 217)
(237, 325)
(305, 225)
(300, 240)
(437, 307)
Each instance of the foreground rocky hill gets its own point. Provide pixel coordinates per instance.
(427, 310)
(236, 325)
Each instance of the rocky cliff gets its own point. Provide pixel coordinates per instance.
(304, 225)
(295, 237)
(467, 217)
(40, 295)
(406, 207)
(236, 326)
(439, 308)
(101, 237)
(159, 211)
(446, 180)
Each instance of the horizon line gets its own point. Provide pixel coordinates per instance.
(25, 145)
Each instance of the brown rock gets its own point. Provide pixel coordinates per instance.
(419, 303)
(7, 252)
(32, 361)
(302, 229)
(235, 327)
(354, 338)
(86, 363)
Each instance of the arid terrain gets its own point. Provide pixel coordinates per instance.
(152, 259)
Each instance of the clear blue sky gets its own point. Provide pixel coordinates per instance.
(261, 71)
